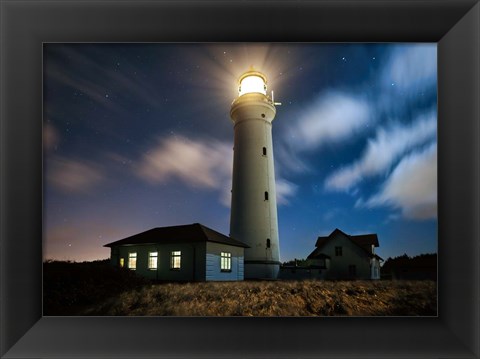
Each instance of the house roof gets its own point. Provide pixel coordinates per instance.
(317, 254)
(195, 232)
(364, 241)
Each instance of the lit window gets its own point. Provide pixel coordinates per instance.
(122, 262)
(152, 260)
(225, 261)
(338, 251)
(266, 196)
(132, 260)
(176, 260)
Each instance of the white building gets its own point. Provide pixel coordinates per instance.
(254, 206)
(181, 253)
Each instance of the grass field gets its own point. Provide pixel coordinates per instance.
(83, 289)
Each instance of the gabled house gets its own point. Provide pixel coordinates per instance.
(346, 256)
(181, 253)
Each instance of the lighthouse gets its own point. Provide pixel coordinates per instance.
(253, 217)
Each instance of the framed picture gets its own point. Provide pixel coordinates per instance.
(29, 26)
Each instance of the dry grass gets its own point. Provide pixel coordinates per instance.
(275, 298)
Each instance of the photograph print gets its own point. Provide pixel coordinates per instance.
(240, 179)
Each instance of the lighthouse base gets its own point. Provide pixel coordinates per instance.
(261, 269)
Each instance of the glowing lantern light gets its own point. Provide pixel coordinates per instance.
(252, 82)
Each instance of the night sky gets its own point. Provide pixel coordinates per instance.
(138, 136)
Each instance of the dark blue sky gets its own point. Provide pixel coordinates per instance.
(139, 136)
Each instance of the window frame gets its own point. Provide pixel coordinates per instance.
(132, 258)
(173, 256)
(153, 257)
(338, 251)
(225, 261)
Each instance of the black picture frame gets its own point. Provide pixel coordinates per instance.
(26, 25)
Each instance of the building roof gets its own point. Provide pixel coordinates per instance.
(317, 254)
(364, 241)
(195, 232)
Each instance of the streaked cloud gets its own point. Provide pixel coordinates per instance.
(331, 117)
(336, 115)
(287, 160)
(410, 66)
(73, 176)
(412, 186)
(285, 191)
(388, 145)
(200, 163)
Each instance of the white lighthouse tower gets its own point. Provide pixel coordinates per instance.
(254, 205)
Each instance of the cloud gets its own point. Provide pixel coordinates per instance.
(285, 190)
(73, 176)
(413, 65)
(381, 151)
(205, 164)
(332, 117)
(288, 160)
(332, 213)
(337, 115)
(412, 186)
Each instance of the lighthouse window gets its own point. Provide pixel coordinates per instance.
(263, 115)
(264, 151)
(266, 196)
(268, 242)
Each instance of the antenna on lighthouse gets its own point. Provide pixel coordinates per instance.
(275, 103)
